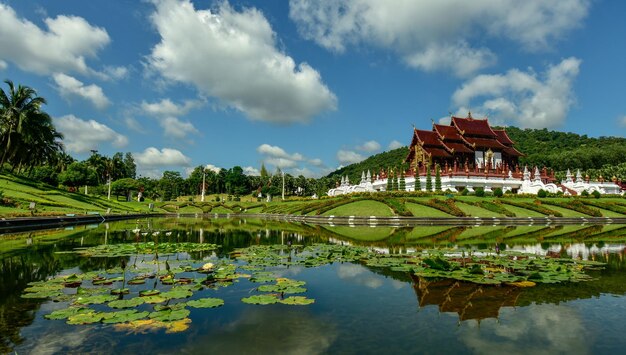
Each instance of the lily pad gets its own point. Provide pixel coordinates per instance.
(42, 294)
(124, 316)
(297, 300)
(168, 315)
(133, 302)
(85, 318)
(96, 299)
(177, 292)
(206, 303)
(154, 299)
(136, 281)
(145, 293)
(120, 291)
(260, 299)
(66, 312)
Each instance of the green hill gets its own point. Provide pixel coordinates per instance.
(556, 150)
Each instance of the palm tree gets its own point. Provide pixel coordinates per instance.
(26, 133)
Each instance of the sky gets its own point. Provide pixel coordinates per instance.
(309, 86)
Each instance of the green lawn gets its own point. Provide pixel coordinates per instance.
(425, 211)
(420, 232)
(361, 208)
(368, 234)
(476, 211)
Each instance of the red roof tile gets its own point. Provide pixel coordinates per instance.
(447, 132)
(485, 142)
(503, 137)
(459, 147)
(512, 152)
(471, 126)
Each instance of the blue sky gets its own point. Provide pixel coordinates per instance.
(308, 86)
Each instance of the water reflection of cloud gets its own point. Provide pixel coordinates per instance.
(537, 329)
(268, 331)
(360, 275)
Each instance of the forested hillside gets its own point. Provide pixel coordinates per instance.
(604, 156)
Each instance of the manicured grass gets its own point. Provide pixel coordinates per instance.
(369, 234)
(425, 211)
(190, 209)
(519, 230)
(566, 212)
(523, 212)
(221, 209)
(475, 232)
(476, 211)
(361, 208)
(420, 232)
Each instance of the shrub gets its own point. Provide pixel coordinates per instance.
(542, 193)
(464, 192)
(447, 206)
(437, 178)
(429, 180)
(577, 206)
(537, 207)
(479, 192)
(497, 192)
(585, 193)
(596, 194)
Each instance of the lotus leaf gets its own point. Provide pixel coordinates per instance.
(137, 282)
(206, 303)
(149, 293)
(260, 299)
(124, 316)
(42, 294)
(133, 302)
(175, 306)
(154, 299)
(297, 300)
(44, 288)
(96, 299)
(120, 291)
(85, 318)
(177, 292)
(168, 315)
(144, 325)
(64, 313)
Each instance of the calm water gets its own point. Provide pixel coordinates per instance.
(357, 309)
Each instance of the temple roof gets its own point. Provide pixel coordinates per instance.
(512, 152)
(447, 132)
(459, 147)
(428, 138)
(473, 127)
(485, 143)
(503, 137)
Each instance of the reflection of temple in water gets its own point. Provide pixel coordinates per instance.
(468, 300)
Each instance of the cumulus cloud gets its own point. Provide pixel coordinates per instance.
(167, 107)
(84, 135)
(173, 127)
(369, 146)
(3, 64)
(523, 98)
(416, 31)
(69, 87)
(349, 157)
(167, 112)
(251, 171)
(394, 144)
(278, 152)
(622, 121)
(213, 168)
(153, 157)
(62, 47)
(233, 56)
(316, 162)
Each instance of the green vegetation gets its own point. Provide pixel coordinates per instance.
(361, 208)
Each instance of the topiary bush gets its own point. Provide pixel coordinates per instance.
(542, 193)
(479, 192)
(585, 193)
(497, 192)
(596, 194)
(464, 192)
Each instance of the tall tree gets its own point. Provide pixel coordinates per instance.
(130, 166)
(27, 134)
(429, 179)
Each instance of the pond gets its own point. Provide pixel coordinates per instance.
(329, 289)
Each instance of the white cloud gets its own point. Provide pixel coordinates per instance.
(166, 112)
(349, 157)
(69, 86)
(166, 107)
(215, 169)
(395, 145)
(369, 146)
(3, 65)
(233, 56)
(522, 98)
(173, 127)
(152, 157)
(428, 35)
(622, 121)
(251, 171)
(84, 135)
(316, 162)
(62, 47)
(278, 152)
(281, 163)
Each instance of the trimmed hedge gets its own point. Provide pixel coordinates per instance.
(577, 206)
(448, 206)
(537, 207)
(494, 206)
